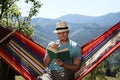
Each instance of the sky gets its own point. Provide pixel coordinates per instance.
(57, 8)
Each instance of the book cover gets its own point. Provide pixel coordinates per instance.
(63, 54)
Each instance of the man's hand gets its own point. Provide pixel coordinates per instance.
(59, 62)
(54, 45)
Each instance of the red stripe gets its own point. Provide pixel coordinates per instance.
(16, 65)
(92, 44)
(38, 48)
(100, 60)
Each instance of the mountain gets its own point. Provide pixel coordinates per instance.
(105, 20)
(83, 28)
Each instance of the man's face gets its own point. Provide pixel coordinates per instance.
(63, 36)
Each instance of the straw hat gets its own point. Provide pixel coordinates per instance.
(61, 27)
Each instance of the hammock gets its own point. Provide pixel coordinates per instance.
(26, 56)
(97, 50)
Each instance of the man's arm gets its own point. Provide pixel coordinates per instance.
(46, 61)
(73, 67)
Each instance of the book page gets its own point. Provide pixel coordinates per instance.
(53, 50)
(62, 50)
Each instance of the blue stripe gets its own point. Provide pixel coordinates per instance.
(28, 49)
(92, 52)
(20, 61)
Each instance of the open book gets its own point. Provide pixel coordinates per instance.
(63, 54)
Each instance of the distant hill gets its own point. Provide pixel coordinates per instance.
(83, 28)
(105, 20)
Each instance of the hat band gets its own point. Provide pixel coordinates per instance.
(61, 28)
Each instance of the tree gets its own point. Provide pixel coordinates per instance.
(10, 16)
(96, 74)
(107, 66)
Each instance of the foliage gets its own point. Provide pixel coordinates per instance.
(35, 7)
(10, 15)
(118, 75)
(96, 74)
(110, 67)
(113, 63)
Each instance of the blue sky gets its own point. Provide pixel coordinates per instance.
(56, 8)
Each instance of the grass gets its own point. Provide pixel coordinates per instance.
(110, 78)
(19, 78)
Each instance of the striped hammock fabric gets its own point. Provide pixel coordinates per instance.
(23, 54)
(26, 56)
(95, 51)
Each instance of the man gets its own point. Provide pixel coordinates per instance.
(58, 69)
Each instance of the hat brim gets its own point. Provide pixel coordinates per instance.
(58, 31)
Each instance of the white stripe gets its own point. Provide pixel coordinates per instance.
(102, 50)
(26, 57)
